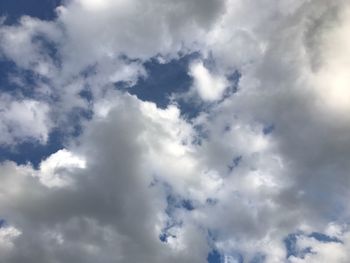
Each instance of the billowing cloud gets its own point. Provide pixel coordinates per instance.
(23, 119)
(209, 87)
(260, 174)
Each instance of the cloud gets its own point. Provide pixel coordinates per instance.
(21, 120)
(57, 166)
(112, 195)
(25, 44)
(331, 76)
(209, 87)
(7, 235)
(140, 183)
(316, 250)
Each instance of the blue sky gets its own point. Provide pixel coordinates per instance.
(188, 131)
(28, 151)
(43, 9)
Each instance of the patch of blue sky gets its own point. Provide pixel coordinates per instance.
(23, 82)
(49, 47)
(202, 133)
(31, 151)
(258, 258)
(175, 202)
(14, 9)
(293, 250)
(164, 79)
(290, 243)
(187, 204)
(167, 231)
(235, 162)
(324, 238)
(20, 84)
(268, 129)
(2, 223)
(16, 81)
(214, 257)
(233, 79)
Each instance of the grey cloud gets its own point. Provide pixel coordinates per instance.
(110, 213)
(292, 179)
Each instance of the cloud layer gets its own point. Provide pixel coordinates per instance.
(261, 174)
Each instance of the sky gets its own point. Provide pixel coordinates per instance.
(192, 131)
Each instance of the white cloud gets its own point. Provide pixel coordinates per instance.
(21, 120)
(208, 86)
(248, 188)
(111, 196)
(322, 251)
(55, 168)
(7, 236)
(22, 44)
(331, 78)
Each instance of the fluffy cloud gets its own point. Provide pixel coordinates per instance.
(334, 249)
(112, 195)
(57, 166)
(142, 183)
(209, 87)
(21, 120)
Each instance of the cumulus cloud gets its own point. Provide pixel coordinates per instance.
(112, 195)
(331, 74)
(7, 235)
(56, 166)
(209, 87)
(261, 168)
(333, 249)
(23, 119)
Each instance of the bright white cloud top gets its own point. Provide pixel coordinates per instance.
(258, 168)
(209, 87)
